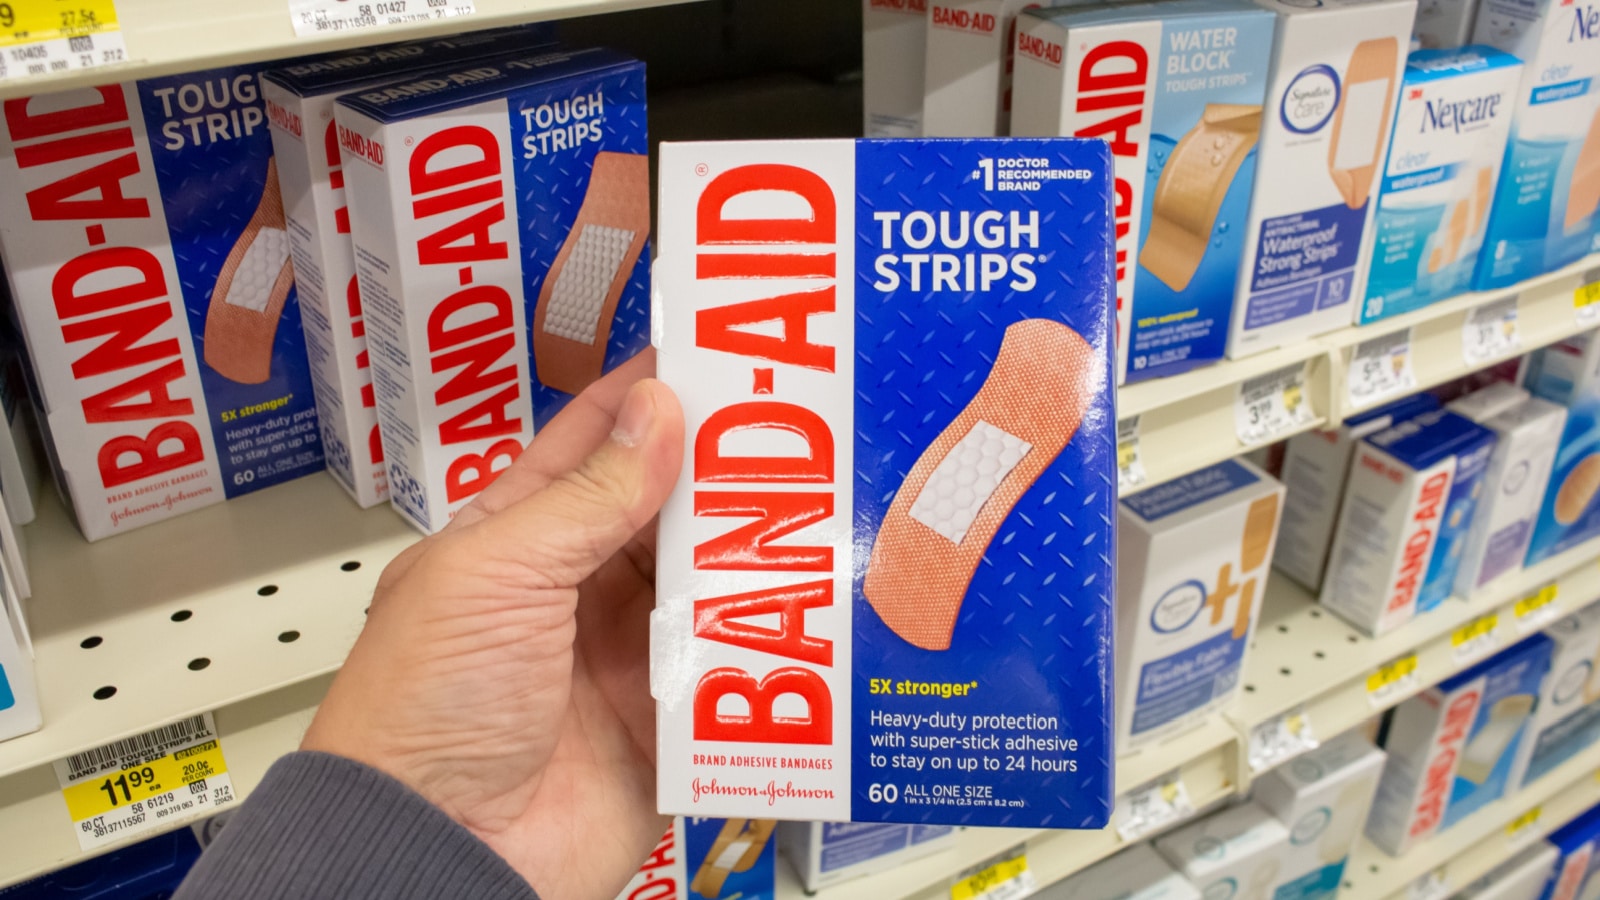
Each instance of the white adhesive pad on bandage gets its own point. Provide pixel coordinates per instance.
(1361, 123)
(736, 848)
(957, 495)
(252, 287)
(1193, 185)
(731, 855)
(1483, 752)
(252, 283)
(1583, 198)
(572, 322)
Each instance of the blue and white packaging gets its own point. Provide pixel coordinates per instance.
(1544, 214)
(1444, 162)
(1467, 487)
(1192, 563)
(894, 359)
(1577, 844)
(500, 214)
(824, 853)
(1451, 748)
(1177, 91)
(1316, 468)
(709, 859)
(1322, 798)
(151, 869)
(1137, 873)
(1324, 139)
(145, 242)
(1238, 852)
(1566, 720)
(1567, 374)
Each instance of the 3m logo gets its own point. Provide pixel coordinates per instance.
(1416, 94)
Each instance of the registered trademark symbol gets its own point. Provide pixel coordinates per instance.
(701, 169)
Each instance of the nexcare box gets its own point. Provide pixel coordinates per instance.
(894, 360)
(1567, 373)
(709, 859)
(825, 853)
(1544, 213)
(1316, 468)
(1323, 798)
(1324, 138)
(1137, 873)
(1176, 89)
(1444, 163)
(145, 240)
(299, 99)
(1192, 561)
(500, 213)
(1238, 852)
(1451, 747)
(1566, 719)
(894, 40)
(1395, 525)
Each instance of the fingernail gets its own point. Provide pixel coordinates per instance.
(637, 415)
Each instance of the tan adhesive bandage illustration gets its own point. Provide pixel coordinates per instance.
(1584, 195)
(736, 849)
(572, 322)
(1260, 521)
(247, 301)
(1506, 718)
(1191, 190)
(1482, 191)
(1454, 231)
(966, 482)
(1361, 123)
(1578, 490)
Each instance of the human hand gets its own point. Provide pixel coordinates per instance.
(504, 670)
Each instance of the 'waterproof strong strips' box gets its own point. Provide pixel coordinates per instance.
(883, 582)
(500, 215)
(1444, 162)
(825, 853)
(1324, 139)
(1323, 798)
(145, 240)
(1191, 572)
(1544, 214)
(1526, 439)
(1238, 852)
(1176, 88)
(894, 40)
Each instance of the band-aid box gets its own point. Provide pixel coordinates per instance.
(1176, 88)
(1316, 468)
(1444, 162)
(1444, 24)
(1473, 455)
(1137, 873)
(883, 583)
(1577, 846)
(299, 99)
(1322, 797)
(1395, 511)
(1544, 215)
(1324, 138)
(709, 859)
(894, 43)
(1566, 720)
(19, 699)
(21, 468)
(824, 853)
(1522, 877)
(500, 213)
(966, 88)
(1567, 373)
(1192, 565)
(1450, 748)
(145, 242)
(1237, 852)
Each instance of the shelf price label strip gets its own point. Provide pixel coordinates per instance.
(1004, 876)
(1537, 609)
(1392, 680)
(1272, 405)
(1151, 807)
(1280, 738)
(1586, 299)
(1491, 332)
(38, 39)
(136, 785)
(324, 16)
(1476, 638)
(1381, 368)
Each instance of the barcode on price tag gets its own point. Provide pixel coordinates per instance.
(1380, 368)
(1281, 737)
(1151, 807)
(141, 784)
(49, 38)
(1586, 299)
(323, 16)
(1490, 331)
(1273, 404)
(1391, 681)
(1130, 466)
(1538, 609)
(1001, 877)
(1475, 638)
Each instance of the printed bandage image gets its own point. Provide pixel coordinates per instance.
(1361, 123)
(1583, 198)
(572, 322)
(248, 298)
(1483, 752)
(961, 489)
(1191, 190)
(738, 846)
(1578, 489)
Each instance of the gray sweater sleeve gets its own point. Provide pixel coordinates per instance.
(321, 826)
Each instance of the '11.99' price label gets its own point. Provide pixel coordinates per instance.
(141, 784)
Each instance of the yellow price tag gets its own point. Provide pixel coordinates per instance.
(986, 881)
(1392, 675)
(1292, 397)
(1586, 296)
(1481, 627)
(1526, 820)
(1535, 602)
(137, 784)
(33, 22)
(1127, 451)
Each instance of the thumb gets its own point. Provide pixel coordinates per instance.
(567, 530)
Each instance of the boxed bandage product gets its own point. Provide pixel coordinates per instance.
(1567, 374)
(500, 214)
(300, 99)
(1451, 748)
(1566, 719)
(1444, 24)
(1444, 162)
(21, 466)
(1402, 520)
(19, 698)
(825, 853)
(1544, 215)
(966, 87)
(151, 869)
(1577, 846)
(1192, 561)
(1316, 468)
(1522, 877)
(709, 859)
(1176, 88)
(1238, 852)
(894, 39)
(1137, 873)
(895, 370)
(1324, 138)
(1322, 798)
(144, 236)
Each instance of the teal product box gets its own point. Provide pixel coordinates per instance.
(1568, 374)
(1444, 162)
(1177, 90)
(1544, 213)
